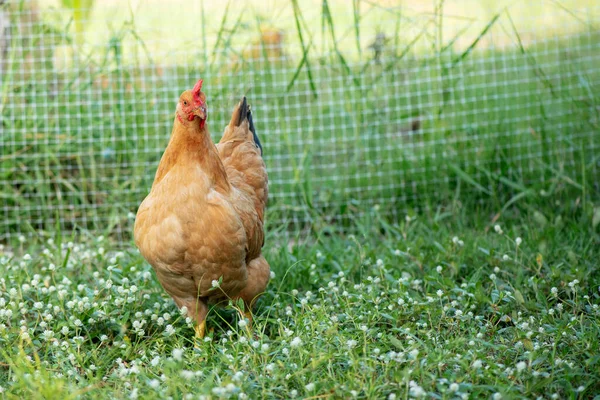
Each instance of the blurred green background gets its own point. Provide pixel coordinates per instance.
(401, 105)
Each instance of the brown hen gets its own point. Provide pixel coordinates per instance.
(202, 222)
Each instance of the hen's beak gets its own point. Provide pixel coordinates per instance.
(200, 112)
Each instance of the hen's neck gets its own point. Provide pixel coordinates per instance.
(191, 144)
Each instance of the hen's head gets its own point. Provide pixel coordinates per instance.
(192, 105)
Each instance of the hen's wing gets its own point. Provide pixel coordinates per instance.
(241, 154)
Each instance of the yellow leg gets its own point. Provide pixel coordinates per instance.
(248, 316)
(201, 329)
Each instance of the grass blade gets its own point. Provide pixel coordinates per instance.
(220, 34)
(327, 17)
(299, 69)
(305, 49)
(477, 39)
(356, 9)
(467, 178)
(204, 45)
(538, 71)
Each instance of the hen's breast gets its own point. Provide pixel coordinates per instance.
(186, 228)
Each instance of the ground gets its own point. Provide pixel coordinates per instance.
(445, 305)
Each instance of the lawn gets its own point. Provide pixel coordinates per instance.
(433, 225)
(442, 305)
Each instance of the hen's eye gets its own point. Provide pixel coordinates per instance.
(185, 103)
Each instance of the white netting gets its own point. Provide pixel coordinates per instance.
(417, 105)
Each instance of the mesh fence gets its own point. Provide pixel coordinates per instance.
(358, 103)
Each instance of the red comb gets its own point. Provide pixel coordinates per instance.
(196, 91)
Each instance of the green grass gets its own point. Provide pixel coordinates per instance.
(505, 135)
(390, 280)
(440, 305)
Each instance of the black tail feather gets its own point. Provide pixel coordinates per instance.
(256, 140)
(245, 113)
(243, 110)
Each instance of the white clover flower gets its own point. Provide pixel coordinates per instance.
(215, 283)
(351, 343)
(477, 364)
(270, 367)
(155, 361)
(177, 354)
(169, 330)
(498, 229)
(521, 365)
(238, 376)
(264, 347)
(310, 387)
(574, 283)
(379, 262)
(454, 386)
(48, 334)
(187, 374)
(439, 269)
(440, 293)
(518, 241)
(416, 390)
(497, 396)
(296, 342)
(242, 323)
(505, 257)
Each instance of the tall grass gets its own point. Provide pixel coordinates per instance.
(408, 130)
